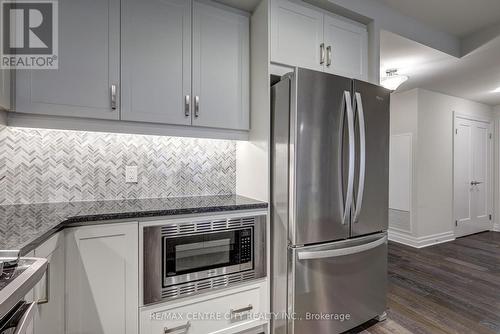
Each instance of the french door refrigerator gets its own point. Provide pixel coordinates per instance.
(330, 181)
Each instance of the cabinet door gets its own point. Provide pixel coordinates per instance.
(89, 64)
(296, 35)
(102, 279)
(156, 56)
(50, 291)
(348, 42)
(4, 89)
(220, 67)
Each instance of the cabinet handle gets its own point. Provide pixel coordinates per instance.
(196, 106)
(46, 298)
(329, 55)
(241, 310)
(322, 53)
(187, 103)
(113, 97)
(179, 329)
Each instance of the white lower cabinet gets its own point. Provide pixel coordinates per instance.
(236, 310)
(49, 292)
(102, 279)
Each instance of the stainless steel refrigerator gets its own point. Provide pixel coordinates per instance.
(330, 183)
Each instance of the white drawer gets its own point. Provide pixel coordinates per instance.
(209, 314)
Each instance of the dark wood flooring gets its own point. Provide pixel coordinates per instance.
(448, 288)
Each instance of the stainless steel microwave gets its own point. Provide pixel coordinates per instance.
(192, 257)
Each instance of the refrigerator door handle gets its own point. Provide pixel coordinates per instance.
(341, 251)
(350, 178)
(358, 106)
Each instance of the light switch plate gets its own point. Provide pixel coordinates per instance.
(130, 174)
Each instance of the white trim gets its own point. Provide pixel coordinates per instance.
(475, 118)
(420, 242)
(496, 228)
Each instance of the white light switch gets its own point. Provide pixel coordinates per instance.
(130, 174)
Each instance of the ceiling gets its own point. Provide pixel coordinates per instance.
(473, 77)
(246, 5)
(457, 17)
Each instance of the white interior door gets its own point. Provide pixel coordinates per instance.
(472, 176)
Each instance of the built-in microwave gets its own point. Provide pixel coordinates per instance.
(191, 257)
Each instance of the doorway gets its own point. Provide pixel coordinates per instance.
(473, 166)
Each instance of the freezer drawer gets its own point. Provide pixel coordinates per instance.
(338, 286)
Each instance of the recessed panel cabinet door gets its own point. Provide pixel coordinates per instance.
(220, 67)
(102, 279)
(156, 56)
(346, 46)
(296, 35)
(4, 89)
(89, 65)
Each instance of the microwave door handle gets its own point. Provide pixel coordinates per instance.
(313, 255)
(358, 106)
(26, 319)
(350, 178)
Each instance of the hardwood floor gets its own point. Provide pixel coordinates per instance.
(448, 288)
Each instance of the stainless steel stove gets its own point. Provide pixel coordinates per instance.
(17, 277)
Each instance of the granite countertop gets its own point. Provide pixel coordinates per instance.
(24, 227)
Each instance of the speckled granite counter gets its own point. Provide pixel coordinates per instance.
(25, 227)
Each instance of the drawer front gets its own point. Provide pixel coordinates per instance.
(229, 313)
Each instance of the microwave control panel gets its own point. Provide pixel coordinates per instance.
(246, 246)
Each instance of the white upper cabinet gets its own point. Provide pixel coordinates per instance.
(220, 67)
(168, 62)
(312, 38)
(156, 61)
(346, 46)
(4, 89)
(89, 65)
(296, 35)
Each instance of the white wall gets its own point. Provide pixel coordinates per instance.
(432, 204)
(404, 118)
(252, 157)
(435, 158)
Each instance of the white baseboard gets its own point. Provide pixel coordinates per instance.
(420, 242)
(496, 228)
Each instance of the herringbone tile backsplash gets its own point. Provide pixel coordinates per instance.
(43, 166)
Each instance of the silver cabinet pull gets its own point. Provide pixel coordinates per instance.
(322, 53)
(475, 183)
(358, 106)
(113, 97)
(241, 310)
(196, 106)
(178, 330)
(187, 104)
(46, 298)
(329, 55)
